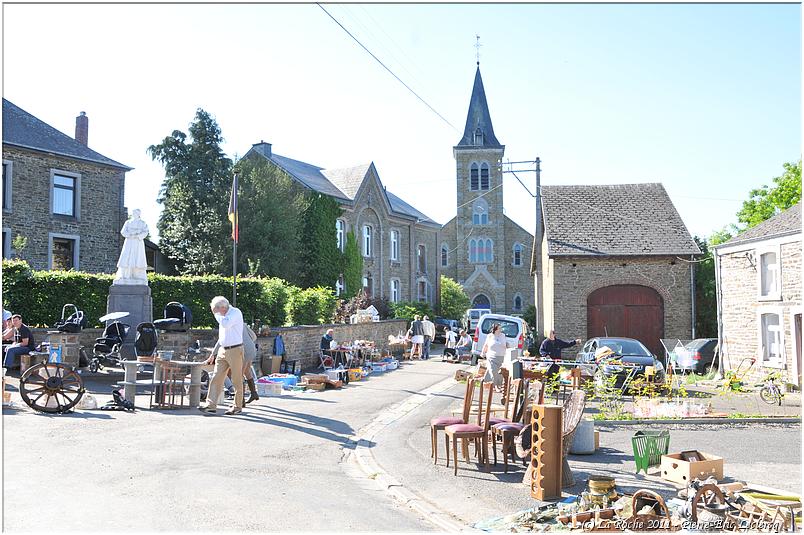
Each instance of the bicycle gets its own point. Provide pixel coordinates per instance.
(770, 392)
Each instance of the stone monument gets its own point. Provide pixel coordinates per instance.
(130, 291)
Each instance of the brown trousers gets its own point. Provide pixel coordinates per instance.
(227, 360)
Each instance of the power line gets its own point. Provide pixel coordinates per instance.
(386, 68)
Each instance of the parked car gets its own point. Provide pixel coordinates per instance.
(516, 331)
(472, 316)
(626, 350)
(441, 326)
(702, 351)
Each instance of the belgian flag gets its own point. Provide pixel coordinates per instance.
(234, 216)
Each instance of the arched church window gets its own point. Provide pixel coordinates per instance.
(480, 212)
(474, 177)
(473, 250)
(484, 176)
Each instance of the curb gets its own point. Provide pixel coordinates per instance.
(699, 421)
(370, 470)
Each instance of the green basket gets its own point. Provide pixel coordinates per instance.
(649, 446)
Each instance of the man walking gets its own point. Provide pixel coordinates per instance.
(429, 334)
(229, 355)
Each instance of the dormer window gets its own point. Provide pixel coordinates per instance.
(478, 137)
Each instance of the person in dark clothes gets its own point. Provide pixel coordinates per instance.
(23, 341)
(551, 348)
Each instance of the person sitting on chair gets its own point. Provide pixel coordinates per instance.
(326, 346)
(23, 341)
(464, 344)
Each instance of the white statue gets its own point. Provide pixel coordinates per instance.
(132, 264)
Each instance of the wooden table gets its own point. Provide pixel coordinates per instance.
(130, 382)
(343, 351)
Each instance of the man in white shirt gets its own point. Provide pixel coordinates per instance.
(229, 355)
(429, 335)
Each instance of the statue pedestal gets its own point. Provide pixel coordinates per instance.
(136, 300)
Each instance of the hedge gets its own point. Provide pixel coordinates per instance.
(39, 296)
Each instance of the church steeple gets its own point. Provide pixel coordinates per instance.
(478, 131)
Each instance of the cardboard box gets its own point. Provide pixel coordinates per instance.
(675, 468)
(315, 386)
(270, 364)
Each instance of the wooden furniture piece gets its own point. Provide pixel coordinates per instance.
(507, 430)
(130, 382)
(440, 423)
(477, 433)
(573, 411)
(545, 458)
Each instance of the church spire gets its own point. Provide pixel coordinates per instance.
(478, 131)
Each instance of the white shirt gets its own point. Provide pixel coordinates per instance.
(495, 344)
(450, 339)
(429, 328)
(465, 341)
(249, 347)
(230, 332)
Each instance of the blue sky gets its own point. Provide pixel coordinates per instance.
(703, 98)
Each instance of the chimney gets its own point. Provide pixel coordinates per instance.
(82, 129)
(263, 148)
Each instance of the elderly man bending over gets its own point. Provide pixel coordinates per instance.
(228, 357)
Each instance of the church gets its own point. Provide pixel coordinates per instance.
(482, 248)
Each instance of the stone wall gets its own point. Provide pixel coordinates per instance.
(518, 279)
(99, 218)
(741, 306)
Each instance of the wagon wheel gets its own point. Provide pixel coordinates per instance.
(52, 388)
(707, 495)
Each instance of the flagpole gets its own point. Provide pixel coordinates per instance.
(235, 236)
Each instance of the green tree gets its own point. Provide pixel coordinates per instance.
(193, 227)
(352, 267)
(407, 309)
(705, 296)
(320, 257)
(454, 300)
(766, 201)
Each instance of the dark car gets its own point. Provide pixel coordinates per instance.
(441, 326)
(627, 351)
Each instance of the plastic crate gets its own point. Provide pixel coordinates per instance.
(649, 446)
(286, 381)
(269, 389)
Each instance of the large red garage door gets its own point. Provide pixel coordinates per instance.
(629, 311)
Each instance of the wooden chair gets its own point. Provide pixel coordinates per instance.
(572, 413)
(440, 423)
(507, 430)
(478, 433)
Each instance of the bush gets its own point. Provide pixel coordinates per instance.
(310, 306)
(407, 309)
(361, 301)
(454, 300)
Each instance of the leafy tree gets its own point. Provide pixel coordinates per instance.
(320, 257)
(352, 266)
(454, 300)
(361, 302)
(407, 309)
(193, 226)
(766, 201)
(705, 296)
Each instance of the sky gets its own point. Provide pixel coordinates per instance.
(704, 98)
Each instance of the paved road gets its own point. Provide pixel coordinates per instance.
(276, 467)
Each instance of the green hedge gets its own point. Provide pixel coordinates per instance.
(39, 296)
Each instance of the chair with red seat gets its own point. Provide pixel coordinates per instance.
(478, 433)
(438, 424)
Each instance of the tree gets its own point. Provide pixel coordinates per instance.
(320, 257)
(454, 300)
(352, 263)
(193, 226)
(767, 201)
(705, 296)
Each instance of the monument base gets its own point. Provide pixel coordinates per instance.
(136, 300)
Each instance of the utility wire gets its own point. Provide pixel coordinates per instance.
(386, 68)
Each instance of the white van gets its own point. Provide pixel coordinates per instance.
(514, 328)
(472, 316)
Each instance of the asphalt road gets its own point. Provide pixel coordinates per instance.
(277, 467)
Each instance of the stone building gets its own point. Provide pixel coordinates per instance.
(397, 241)
(616, 263)
(758, 276)
(65, 198)
(482, 248)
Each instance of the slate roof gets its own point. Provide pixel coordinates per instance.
(342, 184)
(478, 117)
(613, 220)
(21, 129)
(783, 223)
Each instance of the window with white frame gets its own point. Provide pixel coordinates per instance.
(484, 176)
(65, 193)
(367, 240)
(339, 285)
(340, 232)
(7, 181)
(422, 290)
(474, 177)
(6, 243)
(517, 302)
(368, 284)
(480, 212)
(518, 248)
(63, 252)
(421, 259)
(444, 255)
(395, 245)
(771, 336)
(395, 295)
(770, 283)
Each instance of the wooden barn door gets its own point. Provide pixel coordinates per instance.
(629, 311)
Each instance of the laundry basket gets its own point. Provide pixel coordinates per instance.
(649, 446)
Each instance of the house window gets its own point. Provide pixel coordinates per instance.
(395, 245)
(517, 302)
(340, 231)
(480, 212)
(421, 259)
(63, 252)
(772, 341)
(422, 287)
(474, 177)
(7, 180)
(518, 254)
(339, 285)
(368, 284)
(484, 176)
(394, 290)
(769, 279)
(6, 243)
(444, 255)
(366, 240)
(64, 195)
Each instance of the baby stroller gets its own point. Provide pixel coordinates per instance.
(178, 318)
(145, 340)
(74, 323)
(106, 351)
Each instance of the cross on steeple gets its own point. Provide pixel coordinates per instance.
(477, 46)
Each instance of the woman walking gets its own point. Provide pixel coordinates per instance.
(494, 352)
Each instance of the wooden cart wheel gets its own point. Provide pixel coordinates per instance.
(51, 388)
(707, 495)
